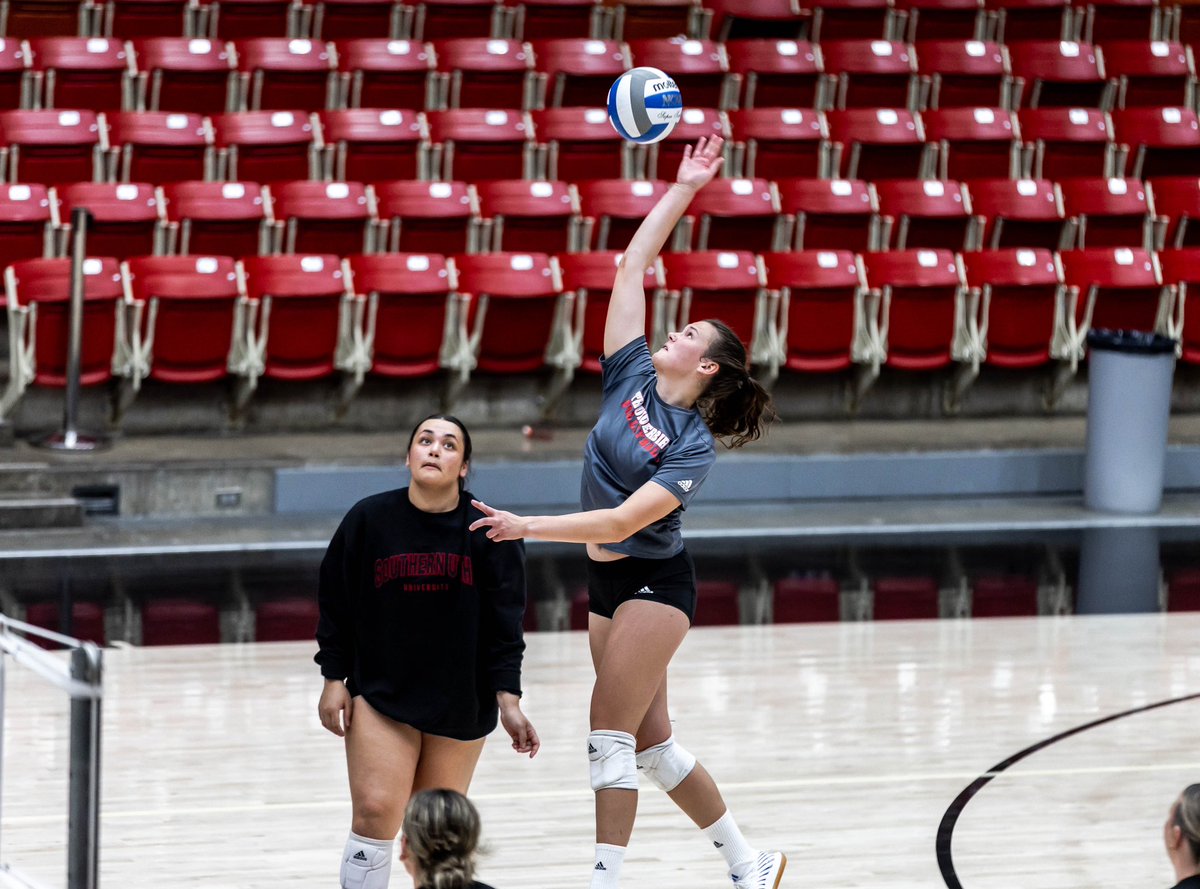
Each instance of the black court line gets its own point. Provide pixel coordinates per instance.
(945, 831)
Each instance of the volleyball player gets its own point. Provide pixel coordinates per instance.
(644, 461)
(421, 641)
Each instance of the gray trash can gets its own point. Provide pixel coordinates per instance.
(1129, 406)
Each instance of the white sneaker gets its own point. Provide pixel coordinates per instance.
(763, 872)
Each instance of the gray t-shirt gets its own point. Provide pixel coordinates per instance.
(638, 438)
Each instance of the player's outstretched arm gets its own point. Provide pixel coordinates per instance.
(626, 319)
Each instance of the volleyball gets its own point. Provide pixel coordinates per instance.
(644, 105)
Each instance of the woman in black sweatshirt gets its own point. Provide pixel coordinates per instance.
(420, 639)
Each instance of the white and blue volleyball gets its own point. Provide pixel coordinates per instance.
(644, 105)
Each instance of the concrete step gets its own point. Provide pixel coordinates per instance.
(24, 512)
(26, 478)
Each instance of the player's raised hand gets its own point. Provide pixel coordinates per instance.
(700, 165)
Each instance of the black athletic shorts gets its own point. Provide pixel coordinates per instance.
(671, 581)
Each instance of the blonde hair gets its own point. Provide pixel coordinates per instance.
(442, 830)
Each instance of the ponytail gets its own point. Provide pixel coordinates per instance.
(735, 406)
(442, 830)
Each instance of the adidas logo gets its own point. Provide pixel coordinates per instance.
(686, 484)
(591, 749)
(360, 855)
(600, 866)
(644, 591)
(718, 845)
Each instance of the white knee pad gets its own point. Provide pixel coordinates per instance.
(666, 764)
(613, 763)
(366, 863)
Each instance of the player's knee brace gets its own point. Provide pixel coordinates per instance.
(366, 863)
(666, 764)
(613, 762)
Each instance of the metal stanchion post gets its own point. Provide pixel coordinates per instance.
(83, 828)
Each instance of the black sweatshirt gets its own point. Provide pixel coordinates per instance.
(422, 617)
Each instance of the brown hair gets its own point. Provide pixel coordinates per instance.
(442, 830)
(1187, 818)
(735, 406)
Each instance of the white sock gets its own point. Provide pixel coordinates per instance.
(729, 841)
(366, 863)
(608, 866)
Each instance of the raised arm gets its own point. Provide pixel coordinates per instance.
(626, 319)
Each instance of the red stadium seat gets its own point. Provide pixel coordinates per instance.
(717, 603)
(478, 144)
(161, 146)
(616, 207)
(700, 67)
(940, 20)
(1059, 74)
(974, 142)
(964, 74)
(636, 19)
(26, 223)
(933, 213)
(1177, 200)
(86, 620)
(349, 19)
(480, 72)
(277, 72)
(872, 73)
(851, 19)
(286, 620)
(245, 19)
(1183, 590)
(576, 71)
(370, 144)
(1069, 142)
(1164, 141)
(1021, 295)
(662, 158)
(428, 217)
(833, 214)
(17, 87)
(178, 74)
(217, 218)
(580, 144)
(1109, 212)
(781, 142)
(590, 277)
(414, 314)
(334, 217)
(1107, 20)
(191, 306)
(1009, 595)
(1119, 288)
(923, 306)
(53, 146)
(37, 18)
(125, 216)
(383, 73)
(738, 21)
(1151, 74)
(823, 310)
(780, 74)
(904, 598)
(267, 145)
(534, 217)
(799, 600)
(442, 19)
(1181, 269)
(1032, 20)
(548, 19)
(130, 19)
(738, 214)
(1021, 213)
(175, 621)
(880, 143)
(83, 72)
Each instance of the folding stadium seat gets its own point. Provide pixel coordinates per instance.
(833, 214)
(1110, 212)
(1165, 141)
(1008, 595)
(923, 307)
(38, 293)
(86, 619)
(1021, 213)
(414, 314)
(160, 146)
(16, 83)
(615, 208)
(217, 218)
(823, 309)
(730, 285)
(964, 74)
(872, 73)
(53, 146)
(267, 145)
(738, 214)
(575, 71)
(1106, 20)
(1151, 74)
(302, 332)
(1059, 74)
(717, 603)
(662, 158)
(778, 142)
(1022, 315)
(904, 598)
(177, 621)
(956, 20)
(520, 317)
(1177, 200)
(83, 72)
(350, 19)
(1181, 269)
(478, 144)
(737, 21)
(974, 142)
(549, 19)
(189, 308)
(125, 216)
(934, 213)
(535, 217)
(780, 73)
(334, 217)
(245, 19)
(802, 600)
(650, 19)
(1031, 20)
(700, 67)
(428, 217)
(479, 72)
(442, 19)
(177, 74)
(1069, 142)
(134, 19)
(37, 18)
(286, 620)
(590, 277)
(379, 73)
(852, 19)
(577, 144)
(26, 223)
(1119, 288)
(371, 144)
(1183, 590)
(276, 72)
(880, 143)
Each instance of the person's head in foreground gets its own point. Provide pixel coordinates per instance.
(439, 840)
(1181, 835)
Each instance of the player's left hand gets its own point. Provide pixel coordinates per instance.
(501, 525)
(520, 729)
